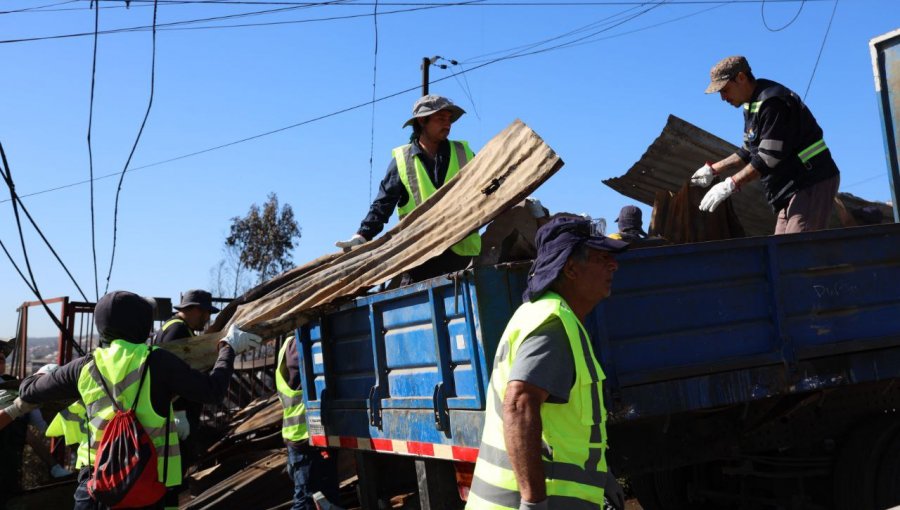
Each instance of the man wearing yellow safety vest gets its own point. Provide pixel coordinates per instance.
(544, 440)
(191, 315)
(783, 147)
(415, 172)
(123, 321)
(310, 471)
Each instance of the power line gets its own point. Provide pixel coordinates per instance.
(170, 24)
(762, 12)
(821, 48)
(368, 103)
(37, 8)
(6, 174)
(91, 150)
(133, 148)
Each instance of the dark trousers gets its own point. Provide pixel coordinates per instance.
(311, 473)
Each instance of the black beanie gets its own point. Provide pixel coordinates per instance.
(122, 315)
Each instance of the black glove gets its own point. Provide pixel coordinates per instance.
(615, 496)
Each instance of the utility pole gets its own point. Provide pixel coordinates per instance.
(426, 64)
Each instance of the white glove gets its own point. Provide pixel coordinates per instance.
(717, 194)
(703, 177)
(182, 427)
(240, 340)
(535, 207)
(612, 491)
(527, 505)
(19, 408)
(350, 243)
(49, 368)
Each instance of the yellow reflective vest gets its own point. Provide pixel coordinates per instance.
(573, 435)
(293, 426)
(419, 186)
(120, 367)
(71, 425)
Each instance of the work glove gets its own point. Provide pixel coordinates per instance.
(717, 194)
(526, 505)
(19, 408)
(182, 427)
(535, 207)
(356, 240)
(704, 176)
(240, 340)
(612, 491)
(49, 368)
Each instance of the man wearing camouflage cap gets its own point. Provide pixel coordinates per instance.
(783, 147)
(415, 172)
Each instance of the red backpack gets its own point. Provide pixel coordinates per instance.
(125, 472)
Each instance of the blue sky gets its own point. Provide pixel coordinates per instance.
(599, 103)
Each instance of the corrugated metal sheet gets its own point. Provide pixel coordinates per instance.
(674, 156)
(677, 153)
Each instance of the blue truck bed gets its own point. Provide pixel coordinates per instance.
(688, 328)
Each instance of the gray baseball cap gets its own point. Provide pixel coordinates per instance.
(726, 70)
(427, 105)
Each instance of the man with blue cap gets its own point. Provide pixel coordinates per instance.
(544, 440)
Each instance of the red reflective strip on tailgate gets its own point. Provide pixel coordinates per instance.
(417, 448)
(382, 445)
(319, 440)
(349, 442)
(465, 454)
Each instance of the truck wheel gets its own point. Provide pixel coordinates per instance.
(856, 469)
(888, 488)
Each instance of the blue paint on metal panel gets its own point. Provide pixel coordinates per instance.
(410, 346)
(886, 56)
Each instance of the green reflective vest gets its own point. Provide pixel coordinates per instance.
(175, 321)
(573, 435)
(419, 186)
(293, 426)
(120, 366)
(71, 425)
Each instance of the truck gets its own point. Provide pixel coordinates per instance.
(760, 372)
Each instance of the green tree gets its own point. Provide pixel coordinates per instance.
(265, 238)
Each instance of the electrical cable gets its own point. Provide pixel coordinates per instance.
(137, 139)
(821, 48)
(374, 96)
(6, 174)
(38, 8)
(90, 148)
(171, 24)
(762, 13)
(354, 107)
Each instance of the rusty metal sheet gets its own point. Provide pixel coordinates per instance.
(512, 165)
(677, 153)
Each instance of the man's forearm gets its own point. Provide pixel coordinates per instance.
(522, 432)
(732, 162)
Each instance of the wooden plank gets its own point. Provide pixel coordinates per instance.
(512, 165)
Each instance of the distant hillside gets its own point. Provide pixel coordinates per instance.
(44, 341)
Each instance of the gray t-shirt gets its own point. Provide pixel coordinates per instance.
(545, 360)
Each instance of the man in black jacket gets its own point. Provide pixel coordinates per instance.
(783, 147)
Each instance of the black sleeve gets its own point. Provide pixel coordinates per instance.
(176, 331)
(775, 134)
(61, 384)
(171, 376)
(292, 363)
(390, 193)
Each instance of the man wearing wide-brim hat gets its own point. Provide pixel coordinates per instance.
(191, 315)
(415, 172)
(783, 147)
(543, 445)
